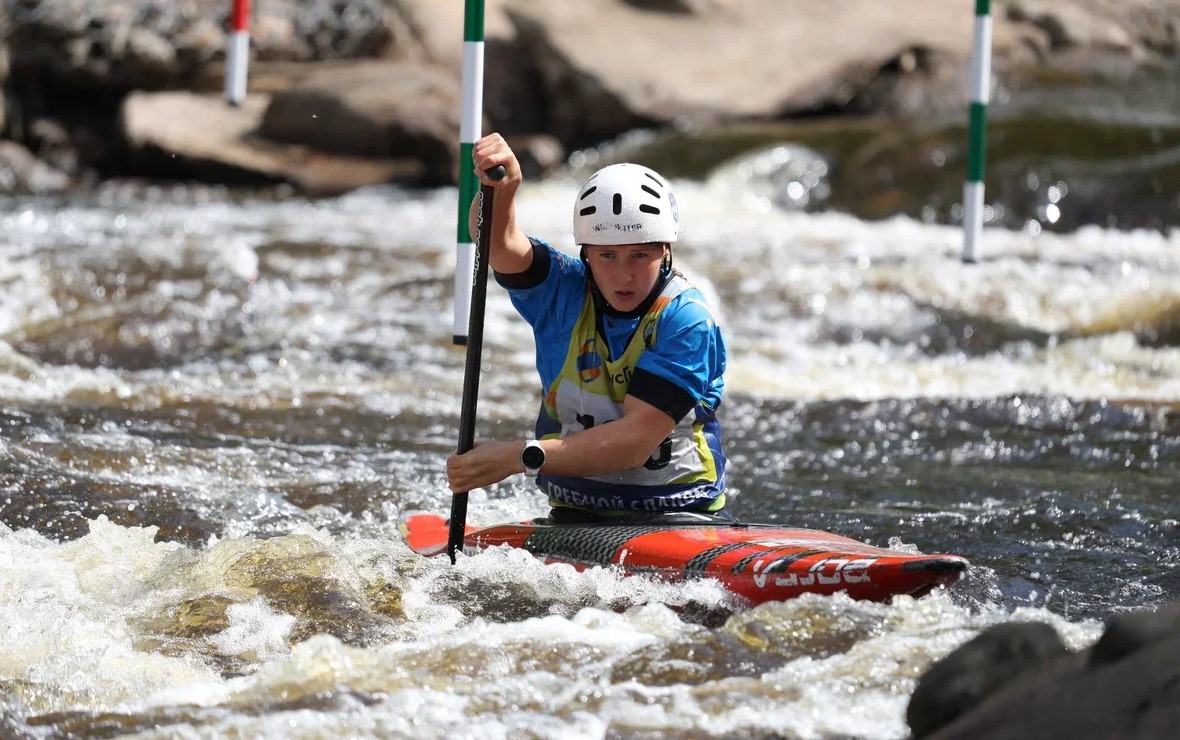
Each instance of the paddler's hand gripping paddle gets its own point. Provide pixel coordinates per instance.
(479, 290)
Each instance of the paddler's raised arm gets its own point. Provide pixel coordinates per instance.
(511, 251)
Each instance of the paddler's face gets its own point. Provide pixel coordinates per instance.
(626, 273)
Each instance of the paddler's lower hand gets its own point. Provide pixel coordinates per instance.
(484, 465)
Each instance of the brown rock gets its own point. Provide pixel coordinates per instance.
(21, 172)
(1071, 25)
(539, 155)
(439, 27)
(377, 109)
(607, 66)
(200, 136)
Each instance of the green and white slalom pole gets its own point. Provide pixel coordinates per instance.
(237, 52)
(981, 75)
(470, 123)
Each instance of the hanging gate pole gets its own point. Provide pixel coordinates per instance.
(470, 123)
(981, 63)
(237, 53)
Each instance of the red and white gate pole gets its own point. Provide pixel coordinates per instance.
(237, 52)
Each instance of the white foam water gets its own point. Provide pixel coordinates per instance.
(312, 619)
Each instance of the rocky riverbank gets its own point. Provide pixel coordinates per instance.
(345, 94)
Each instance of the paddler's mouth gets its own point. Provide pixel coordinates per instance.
(624, 300)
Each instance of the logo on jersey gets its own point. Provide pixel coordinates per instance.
(649, 334)
(589, 362)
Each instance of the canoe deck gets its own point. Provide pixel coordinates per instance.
(757, 562)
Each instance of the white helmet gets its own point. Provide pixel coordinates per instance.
(625, 204)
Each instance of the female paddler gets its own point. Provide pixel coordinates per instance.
(630, 355)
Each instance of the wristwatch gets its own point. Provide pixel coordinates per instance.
(532, 457)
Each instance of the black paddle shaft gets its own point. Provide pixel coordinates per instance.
(479, 292)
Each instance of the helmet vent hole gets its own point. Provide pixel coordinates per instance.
(650, 191)
(588, 210)
(655, 179)
(588, 192)
(649, 209)
(618, 203)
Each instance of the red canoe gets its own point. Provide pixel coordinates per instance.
(757, 562)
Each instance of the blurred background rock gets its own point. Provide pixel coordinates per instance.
(347, 93)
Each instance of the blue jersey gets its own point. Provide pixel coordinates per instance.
(678, 364)
(690, 352)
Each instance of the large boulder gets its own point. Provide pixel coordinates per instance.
(608, 65)
(601, 67)
(379, 109)
(979, 668)
(1073, 25)
(512, 93)
(578, 71)
(74, 61)
(199, 136)
(21, 172)
(1014, 683)
(150, 45)
(438, 28)
(1141, 29)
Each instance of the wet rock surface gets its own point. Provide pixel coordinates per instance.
(1016, 680)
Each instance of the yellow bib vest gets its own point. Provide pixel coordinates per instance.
(681, 474)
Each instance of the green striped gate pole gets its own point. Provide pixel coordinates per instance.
(981, 74)
(470, 122)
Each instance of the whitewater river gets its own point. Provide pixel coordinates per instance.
(215, 411)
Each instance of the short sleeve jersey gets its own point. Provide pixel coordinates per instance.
(682, 370)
